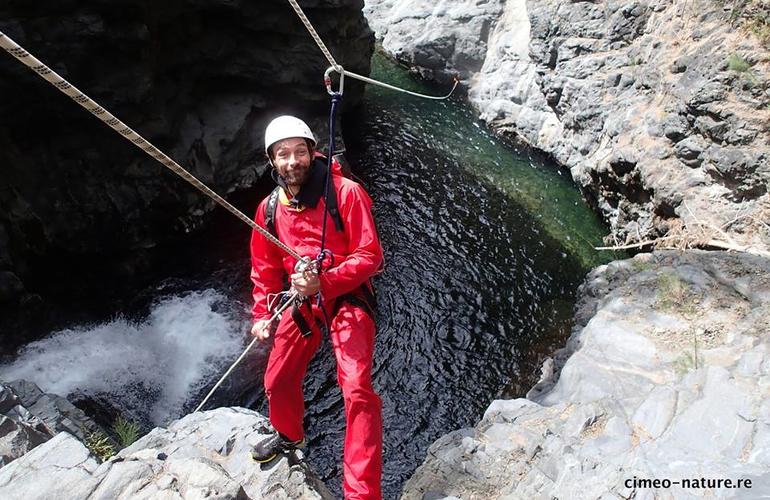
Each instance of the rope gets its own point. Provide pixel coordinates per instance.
(129, 134)
(275, 316)
(398, 89)
(315, 35)
(342, 71)
(336, 98)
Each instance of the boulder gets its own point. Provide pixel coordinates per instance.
(670, 350)
(203, 455)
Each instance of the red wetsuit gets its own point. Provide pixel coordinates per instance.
(357, 257)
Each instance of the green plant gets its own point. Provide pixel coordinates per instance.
(686, 362)
(641, 265)
(760, 26)
(100, 445)
(750, 15)
(689, 360)
(737, 63)
(127, 432)
(675, 295)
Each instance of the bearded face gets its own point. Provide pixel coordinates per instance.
(292, 159)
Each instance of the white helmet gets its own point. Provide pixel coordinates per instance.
(285, 127)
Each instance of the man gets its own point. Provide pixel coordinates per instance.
(354, 257)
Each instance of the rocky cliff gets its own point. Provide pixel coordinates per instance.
(666, 376)
(200, 79)
(660, 108)
(203, 455)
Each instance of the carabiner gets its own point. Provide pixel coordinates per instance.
(328, 79)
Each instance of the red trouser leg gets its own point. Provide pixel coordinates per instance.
(352, 333)
(283, 377)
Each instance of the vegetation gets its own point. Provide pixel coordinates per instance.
(127, 432)
(687, 361)
(642, 265)
(104, 447)
(751, 15)
(737, 63)
(100, 445)
(760, 26)
(674, 294)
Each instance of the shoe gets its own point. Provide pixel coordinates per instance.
(273, 445)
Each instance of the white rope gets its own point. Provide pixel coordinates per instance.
(315, 35)
(342, 71)
(391, 87)
(277, 313)
(129, 134)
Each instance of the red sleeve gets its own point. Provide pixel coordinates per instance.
(364, 250)
(266, 268)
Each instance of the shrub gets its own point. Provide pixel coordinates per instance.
(127, 432)
(737, 63)
(100, 445)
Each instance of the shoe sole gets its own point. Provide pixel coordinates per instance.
(263, 460)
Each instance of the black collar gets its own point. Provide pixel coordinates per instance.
(313, 188)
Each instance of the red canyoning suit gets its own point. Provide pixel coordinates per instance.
(357, 256)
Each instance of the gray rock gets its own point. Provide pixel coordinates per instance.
(61, 464)
(16, 439)
(203, 455)
(689, 151)
(634, 397)
(55, 412)
(452, 42)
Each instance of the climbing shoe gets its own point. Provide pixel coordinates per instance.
(272, 446)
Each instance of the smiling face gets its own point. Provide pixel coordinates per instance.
(292, 158)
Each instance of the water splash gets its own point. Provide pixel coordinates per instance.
(147, 369)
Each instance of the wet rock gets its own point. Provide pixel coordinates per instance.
(11, 286)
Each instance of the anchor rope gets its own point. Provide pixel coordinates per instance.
(342, 71)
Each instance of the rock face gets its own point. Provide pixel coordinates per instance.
(29, 417)
(665, 376)
(440, 41)
(200, 79)
(203, 455)
(659, 108)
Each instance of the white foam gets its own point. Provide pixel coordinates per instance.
(148, 368)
